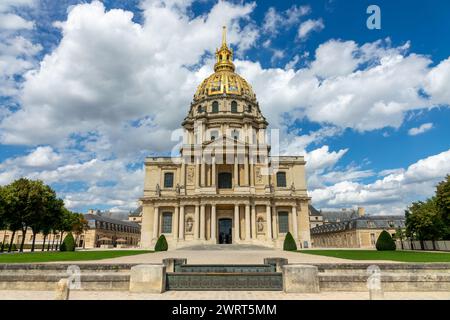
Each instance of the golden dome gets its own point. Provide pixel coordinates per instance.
(224, 80)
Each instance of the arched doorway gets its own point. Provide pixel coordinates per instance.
(225, 231)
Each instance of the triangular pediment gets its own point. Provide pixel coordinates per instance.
(224, 141)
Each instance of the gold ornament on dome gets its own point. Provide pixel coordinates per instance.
(224, 80)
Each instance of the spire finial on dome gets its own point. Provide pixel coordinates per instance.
(224, 56)
(224, 36)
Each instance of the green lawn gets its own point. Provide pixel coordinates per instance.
(40, 256)
(403, 256)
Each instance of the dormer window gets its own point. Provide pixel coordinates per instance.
(199, 109)
(249, 108)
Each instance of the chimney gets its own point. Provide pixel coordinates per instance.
(361, 211)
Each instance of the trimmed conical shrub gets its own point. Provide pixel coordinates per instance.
(289, 243)
(68, 243)
(161, 244)
(385, 242)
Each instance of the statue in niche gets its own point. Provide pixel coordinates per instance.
(189, 225)
(178, 188)
(260, 224)
(158, 190)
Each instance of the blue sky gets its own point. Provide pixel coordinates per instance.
(87, 90)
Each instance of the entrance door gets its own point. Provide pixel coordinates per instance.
(225, 235)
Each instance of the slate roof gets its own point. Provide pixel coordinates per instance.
(96, 217)
(137, 212)
(365, 222)
(313, 211)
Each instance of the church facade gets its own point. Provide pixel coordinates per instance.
(225, 187)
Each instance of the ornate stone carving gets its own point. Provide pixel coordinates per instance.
(190, 175)
(259, 176)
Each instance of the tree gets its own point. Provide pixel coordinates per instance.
(3, 223)
(17, 208)
(385, 242)
(161, 244)
(443, 205)
(68, 243)
(289, 243)
(423, 221)
(79, 225)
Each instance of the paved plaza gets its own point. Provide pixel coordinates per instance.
(227, 254)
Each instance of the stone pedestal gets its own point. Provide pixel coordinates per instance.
(170, 263)
(148, 278)
(300, 279)
(277, 262)
(62, 290)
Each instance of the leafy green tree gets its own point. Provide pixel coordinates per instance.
(80, 225)
(17, 205)
(423, 221)
(161, 244)
(289, 243)
(3, 222)
(443, 204)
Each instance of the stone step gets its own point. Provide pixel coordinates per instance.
(394, 281)
(47, 281)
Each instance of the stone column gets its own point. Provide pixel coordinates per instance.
(252, 174)
(156, 223)
(213, 174)
(196, 222)
(181, 228)
(213, 224)
(197, 174)
(203, 173)
(294, 222)
(236, 233)
(183, 172)
(274, 222)
(268, 223)
(247, 222)
(202, 222)
(246, 179)
(175, 224)
(253, 222)
(236, 171)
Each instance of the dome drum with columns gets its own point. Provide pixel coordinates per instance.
(225, 187)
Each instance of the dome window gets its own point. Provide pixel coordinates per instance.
(215, 107)
(234, 107)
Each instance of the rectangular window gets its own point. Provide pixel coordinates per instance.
(283, 222)
(281, 179)
(167, 222)
(372, 238)
(168, 180)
